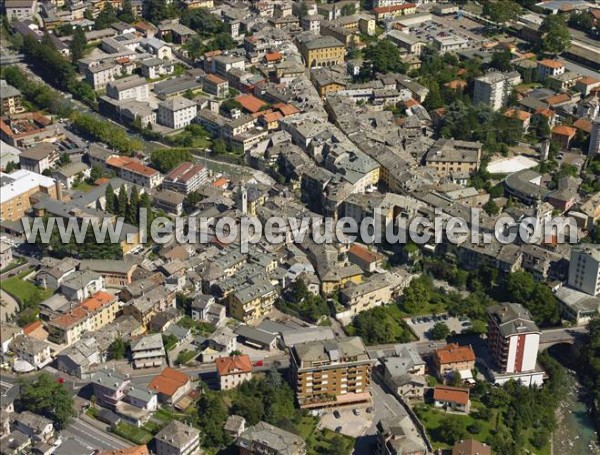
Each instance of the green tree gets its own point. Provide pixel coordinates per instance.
(501, 12)
(132, 213)
(49, 398)
(190, 203)
(212, 415)
(111, 200)
(195, 47)
(491, 208)
(123, 202)
(166, 160)
(555, 34)
(77, 46)
(383, 57)
(106, 17)
(126, 12)
(501, 60)
(520, 285)
(433, 100)
(157, 10)
(219, 146)
(451, 429)
(439, 331)
(348, 10)
(117, 349)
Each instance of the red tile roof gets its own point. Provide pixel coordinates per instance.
(583, 124)
(222, 182)
(137, 450)
(233, 365)
(453, 353)
(555, 64)
(564, 130)
(169, 381)
(518, 114)
(250, 102)
(215, 79)
(185, 171)
(390, 9)
(98, 300)
(286, 109)
(558, 99)
(451, 394)
(31, 327)
(363, 253)
(273, 57)
(588, 80)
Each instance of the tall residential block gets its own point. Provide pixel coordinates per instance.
(513, 338)
(493, 89)
(331, 373)
(584, 269)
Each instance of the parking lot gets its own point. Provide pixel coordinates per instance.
(422, 325)
(351, 421)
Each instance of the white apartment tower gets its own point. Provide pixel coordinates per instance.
(493, 89)
(584, 269)
(594, 148)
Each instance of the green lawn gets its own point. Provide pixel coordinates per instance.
(16, 263)
(83, 187)
(25, 291)
(133, 434)
(430, 417)
(321, 441)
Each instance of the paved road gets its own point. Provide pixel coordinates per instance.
(94, 438)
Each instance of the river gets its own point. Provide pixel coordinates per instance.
(575, 432)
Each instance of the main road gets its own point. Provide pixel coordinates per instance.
(93, 437)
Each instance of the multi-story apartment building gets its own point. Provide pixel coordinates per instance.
(128, 88)
(448, 156)
(186, 178)
(148, 352)
(594, 148)
(331, 373)
(134, 171)
(493, 89)
(549, 68)
(250, 303)
(110, 387)
(11, 99)
(513, 341)
(584, 269)
(153, 68)
(146, 306)
(233, 370)
(17, 188)
(98, 76)
(40, 157)
(452, 358)
(31, 350)
(20, 9)
(322, 51)
(92, 314)
(215, 85)
(263, 438)
(177, 439)
(177, 112)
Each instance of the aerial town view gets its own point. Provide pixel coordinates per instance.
(300, 227)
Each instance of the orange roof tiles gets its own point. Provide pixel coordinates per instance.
(390, 9)
(564, 130)
(363, 253)
(518, 114)
(71, 318)
(250, 102)
(453, 353)
(31, 327)
(98, 300)
(595, 13)
(548, 113)
(411, 102)
(558, 99)
(271, 117)
(169, 381)
(456, 84)
(139, 168)
(233, 365)
(222, 182)
(451, 394)
(583, 124)
(286, 109)
(215, 79)
(273, 57)
(588, 80)
(137, 450)
(554, 64)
